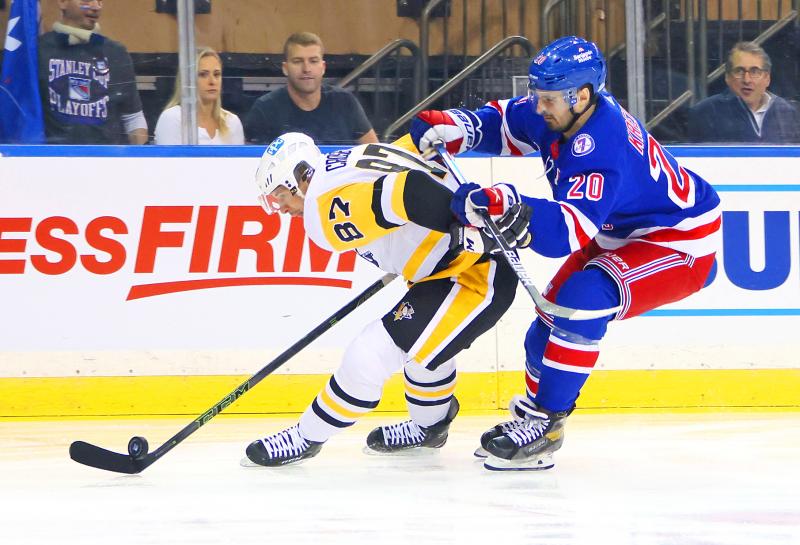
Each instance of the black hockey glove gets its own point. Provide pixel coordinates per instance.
(513, 225)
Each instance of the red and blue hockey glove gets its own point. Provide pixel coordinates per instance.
(456, 128)
(470, 200)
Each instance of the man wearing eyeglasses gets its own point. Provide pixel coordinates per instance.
(746, 112)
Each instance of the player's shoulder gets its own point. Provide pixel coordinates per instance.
(331, 170)
(601, 140)
(520, 108)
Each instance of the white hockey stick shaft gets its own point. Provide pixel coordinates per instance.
(512, 257)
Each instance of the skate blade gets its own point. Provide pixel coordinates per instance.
(415, 452)
(481, 453)
(493, 463)
(247, 462)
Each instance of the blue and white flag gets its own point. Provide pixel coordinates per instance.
(20, 104)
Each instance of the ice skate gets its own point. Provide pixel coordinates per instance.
(280, 449)
(408, 437)
(517, 407)
(529, 446)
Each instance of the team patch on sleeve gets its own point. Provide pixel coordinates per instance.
(582, 145)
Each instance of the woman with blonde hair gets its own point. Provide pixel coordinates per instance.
(215, 125)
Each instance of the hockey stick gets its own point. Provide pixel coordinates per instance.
(138, 458)
(512, 257)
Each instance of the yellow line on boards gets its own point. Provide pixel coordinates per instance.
(644, 390)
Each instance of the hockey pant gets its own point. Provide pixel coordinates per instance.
(422, 334)
(560, 353)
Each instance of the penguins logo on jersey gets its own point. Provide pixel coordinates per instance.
(582, 145)
(404, 312)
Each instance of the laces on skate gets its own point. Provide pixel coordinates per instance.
(286, 443)
(404, 433)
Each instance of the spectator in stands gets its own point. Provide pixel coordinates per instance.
(87, 82)
(215, 125)
(329, 115)
(746, 112)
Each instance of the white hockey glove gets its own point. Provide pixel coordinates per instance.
(458, 129)
(513, 225)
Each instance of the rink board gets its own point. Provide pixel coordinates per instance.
(147, 272)
(664, 390)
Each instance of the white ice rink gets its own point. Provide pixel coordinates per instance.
(621, 479)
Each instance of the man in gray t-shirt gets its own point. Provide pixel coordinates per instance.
(329, 115)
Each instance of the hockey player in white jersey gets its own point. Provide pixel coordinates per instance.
(392, 207)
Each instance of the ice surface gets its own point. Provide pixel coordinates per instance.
(621, 479)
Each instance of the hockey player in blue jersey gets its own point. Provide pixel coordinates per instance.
(639, 230)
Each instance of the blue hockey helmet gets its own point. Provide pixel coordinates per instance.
(567, 64)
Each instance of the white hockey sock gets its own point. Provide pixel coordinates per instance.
(355, 388)
(428, 393)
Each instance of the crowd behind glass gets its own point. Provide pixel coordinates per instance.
(87, 83)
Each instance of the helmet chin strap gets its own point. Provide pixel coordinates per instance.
(576, 115)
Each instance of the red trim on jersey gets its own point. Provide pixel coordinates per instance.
(514, 149)
(673, 235)
(580, 234)
(554, 150)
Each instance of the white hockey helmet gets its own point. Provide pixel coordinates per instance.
(288, 160)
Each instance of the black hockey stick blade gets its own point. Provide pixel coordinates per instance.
(94, 456)
(100, 458)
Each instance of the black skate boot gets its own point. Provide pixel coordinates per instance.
(280, 449)
(530, 446)
(519, 407)
(408, 436)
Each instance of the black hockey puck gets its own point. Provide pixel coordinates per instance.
(138, 447)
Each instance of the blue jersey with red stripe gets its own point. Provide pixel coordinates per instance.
(611, 181)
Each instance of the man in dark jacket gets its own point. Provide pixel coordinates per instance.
(746, 112)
